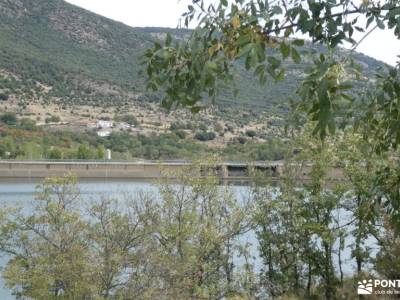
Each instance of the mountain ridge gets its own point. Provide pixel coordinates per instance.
(84, 58)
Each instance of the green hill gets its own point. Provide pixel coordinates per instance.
(53, 51)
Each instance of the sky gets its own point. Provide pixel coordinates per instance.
(381, 44)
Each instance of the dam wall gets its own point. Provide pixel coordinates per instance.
(149, 169)
(127, 169)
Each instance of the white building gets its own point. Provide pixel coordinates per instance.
(105, 124)
(91, 125)
(104, 133)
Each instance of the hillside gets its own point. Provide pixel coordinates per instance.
(53, 51)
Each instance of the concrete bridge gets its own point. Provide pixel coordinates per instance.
(140, 169)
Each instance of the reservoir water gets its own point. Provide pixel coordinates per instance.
(22, 194)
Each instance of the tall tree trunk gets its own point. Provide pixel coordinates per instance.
(340, 259)
(329, 284)
(296, 278)
(359, 259)
(358, 240)
(309, 280)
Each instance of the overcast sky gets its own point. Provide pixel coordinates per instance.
(381, 45)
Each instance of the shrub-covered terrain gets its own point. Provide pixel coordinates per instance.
(55, 51)
(22, 139)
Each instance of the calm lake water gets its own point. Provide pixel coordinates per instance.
(22, 194)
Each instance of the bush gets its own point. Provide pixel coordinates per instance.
(218, 128)
(52, 119)
(205, 136)
(203, 127)
(3, 97)
(27, 124)
(251, 133)
(176, 126)
(180, 134)
(3, 151)
(182, 125)
(241, 140)
(131, 120)
(230, 128)
(55, 154)
(101, 152)
(9, 118)
(84, 152)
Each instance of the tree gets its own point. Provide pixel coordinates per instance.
(361, 165)
(3, 151)
(84, 152)
(48, 246)
(205, 136)
(299, 228)
(101, 152)
(9, 118)
(57, 252)
(197, 238)
(55, 154)
(308, 223)
(119, 234)
(8, 144)
(182, 243)
(387, 261)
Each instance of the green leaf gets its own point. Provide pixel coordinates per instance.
(168, 40)
(344, 87)
(285, 50)
(275, 63)
(277, 10)
(260, 49)
(380, 24)
(259, 69)
(244, 39)
(337, 39)
(245, 50)
(298, 42)
(281, 75)
(369, 21)
(296, 56)
(212, 65)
